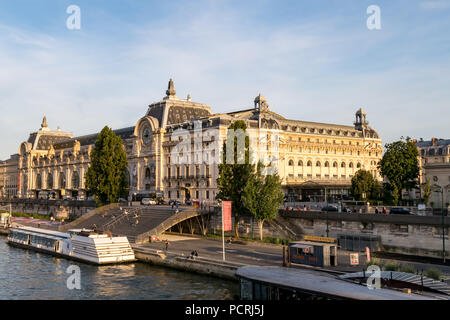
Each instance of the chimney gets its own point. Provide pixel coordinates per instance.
(433, 141)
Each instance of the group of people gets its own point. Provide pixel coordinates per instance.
(383, 211)
(193, 255)
(298, 208)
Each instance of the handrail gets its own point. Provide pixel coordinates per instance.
(87, 216)
(111, 223)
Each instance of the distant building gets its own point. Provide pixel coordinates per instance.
(310, 157)
(9, 178)
(434, 163)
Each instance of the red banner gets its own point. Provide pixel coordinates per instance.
(226, 215)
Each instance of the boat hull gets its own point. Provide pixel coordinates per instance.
(64, 256)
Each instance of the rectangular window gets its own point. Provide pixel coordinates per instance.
(207, 194)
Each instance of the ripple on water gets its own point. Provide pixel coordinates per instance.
(29, 275)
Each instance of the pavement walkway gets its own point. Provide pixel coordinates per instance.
(266, 254)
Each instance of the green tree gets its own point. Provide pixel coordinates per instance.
(234, 176)
(427, 191)
(263, 196)
(400, 166)
(106, 177)
(364, 186)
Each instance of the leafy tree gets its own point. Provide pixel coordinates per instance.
(234, 176)
(106, 177)
(263, 196)
(364, 186)
(427, 191)
(400, 166)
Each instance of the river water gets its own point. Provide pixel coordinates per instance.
(25, 274)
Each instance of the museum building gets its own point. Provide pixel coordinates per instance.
(315, 160)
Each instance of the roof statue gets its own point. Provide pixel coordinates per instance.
(171, 90)
(44, 123)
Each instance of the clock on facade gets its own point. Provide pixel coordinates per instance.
(146, 135)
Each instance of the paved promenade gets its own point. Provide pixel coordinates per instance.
(253, 253)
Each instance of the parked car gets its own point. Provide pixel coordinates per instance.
(188, 202)
(330, 208)
(160, 201)
(399, 211)
(346, 210)
(147, 201)
(122, 200)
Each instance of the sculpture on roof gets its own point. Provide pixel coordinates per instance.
(171, 90)
(44, 123)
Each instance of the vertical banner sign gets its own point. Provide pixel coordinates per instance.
(226, 211)
(368, 254)
(226, 223)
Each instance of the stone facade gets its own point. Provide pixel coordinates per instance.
(9, 178)
(434, 162)
(311, 157)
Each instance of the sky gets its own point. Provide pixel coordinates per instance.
(312, 60)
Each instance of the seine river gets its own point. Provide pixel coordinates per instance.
(26, 274)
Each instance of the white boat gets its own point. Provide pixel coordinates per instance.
(78, 244)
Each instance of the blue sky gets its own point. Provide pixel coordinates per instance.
(312, 60)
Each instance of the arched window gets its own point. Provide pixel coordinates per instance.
(343, 165)
(62, 180)
(318, 164)
(49, 181)
(147, 173)
(335, 164)
(75, 180)
(153, 172)
(38, 181)
(300, 163)
(327, 164)
(350, 165)
(291, 162)
(309, 164)
(358, 165)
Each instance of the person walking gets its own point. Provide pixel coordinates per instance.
(167, 244)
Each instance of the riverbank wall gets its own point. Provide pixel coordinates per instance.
(216, 268)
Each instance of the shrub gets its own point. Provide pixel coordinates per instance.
(391, 266)
(434, 274)
(407, 268)
(374, 261)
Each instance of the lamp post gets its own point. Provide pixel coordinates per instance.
(441, 188)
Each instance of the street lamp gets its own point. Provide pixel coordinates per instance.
(442, 220)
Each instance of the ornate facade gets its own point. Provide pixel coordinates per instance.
(434, 163)
(311, 157)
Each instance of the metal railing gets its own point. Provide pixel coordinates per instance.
(116, 220)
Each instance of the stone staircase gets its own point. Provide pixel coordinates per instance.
(146, 218)
(285, 227)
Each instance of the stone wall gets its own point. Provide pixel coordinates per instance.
(411, 235)
(58, 208)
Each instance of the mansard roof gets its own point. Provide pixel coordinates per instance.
(124, 133)
(173, 110)
(437, 142)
